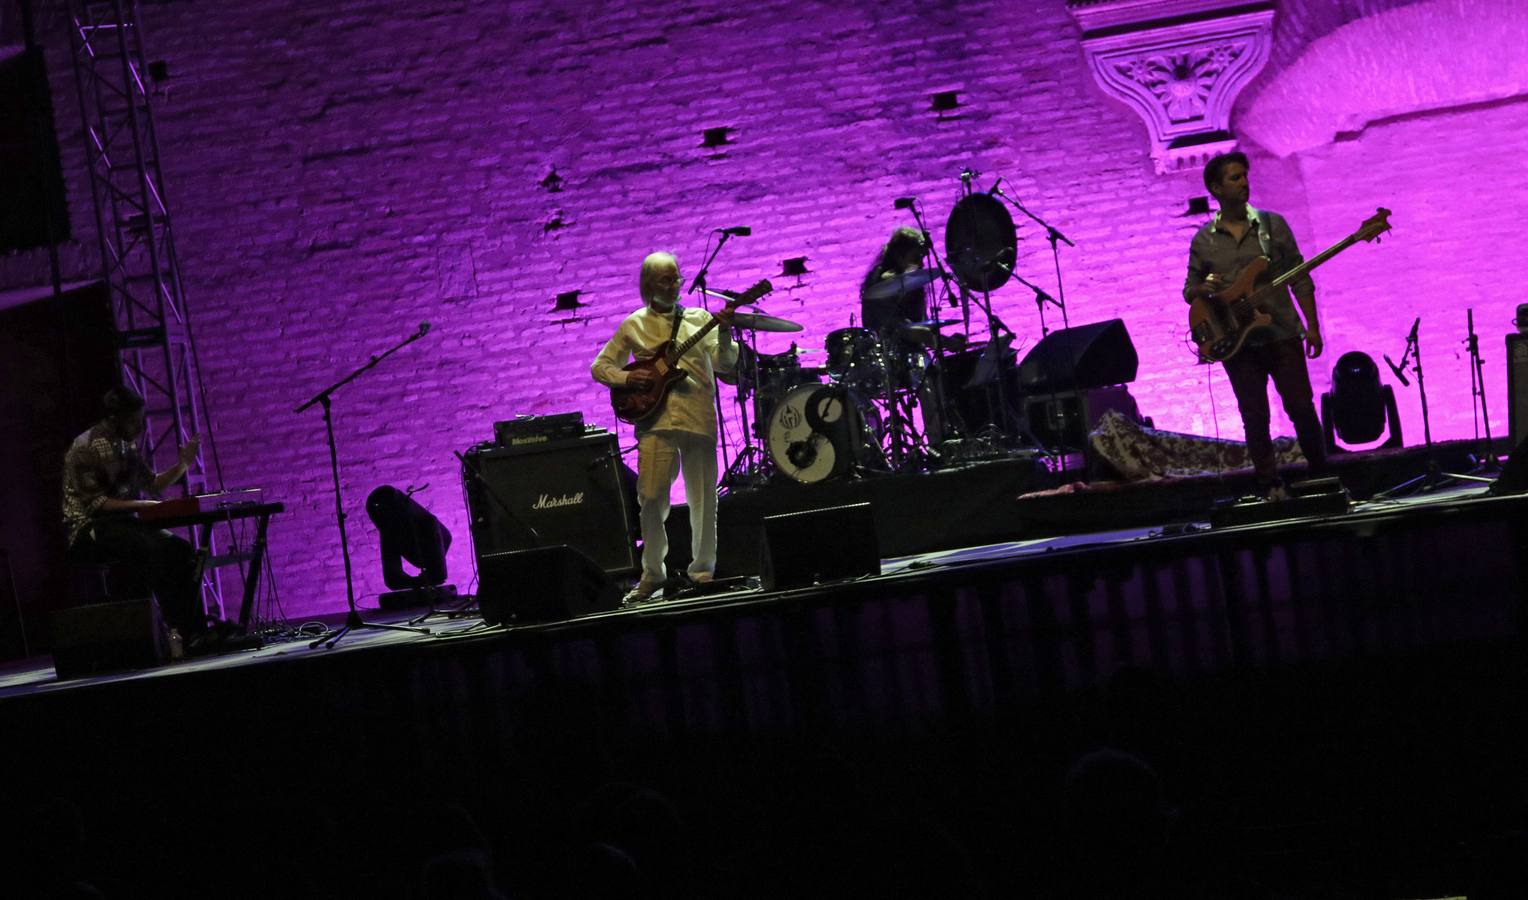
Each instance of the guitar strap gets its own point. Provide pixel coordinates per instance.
(1264, 240)
(678, 317)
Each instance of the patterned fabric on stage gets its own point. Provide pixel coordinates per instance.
(1139, 453)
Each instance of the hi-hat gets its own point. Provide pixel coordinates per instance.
(761, 322)
(897, 285)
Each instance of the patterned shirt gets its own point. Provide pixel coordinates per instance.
(1214, 251)
(100, 466)
(690, 405)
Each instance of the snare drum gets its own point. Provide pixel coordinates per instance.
(856, 360)
(820, 431)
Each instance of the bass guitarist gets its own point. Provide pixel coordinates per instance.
(681, 433)
(1237, 235)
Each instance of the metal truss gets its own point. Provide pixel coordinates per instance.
(137, 244)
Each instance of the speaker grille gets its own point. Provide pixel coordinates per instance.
(572, 492)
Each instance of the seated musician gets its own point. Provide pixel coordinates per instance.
(105, 477)
(409, 532)
(903, 253)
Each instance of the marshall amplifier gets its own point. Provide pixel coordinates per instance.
(574, 491)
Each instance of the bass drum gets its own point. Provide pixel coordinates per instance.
(819, 432)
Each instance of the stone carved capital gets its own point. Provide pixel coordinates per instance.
(1179, 64)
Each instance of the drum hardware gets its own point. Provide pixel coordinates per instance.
(761, 379)
(938, 342)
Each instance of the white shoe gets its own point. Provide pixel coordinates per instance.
(643, 592)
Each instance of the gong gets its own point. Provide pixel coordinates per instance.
(979, 242)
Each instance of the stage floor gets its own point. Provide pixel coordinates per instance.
(35, 676)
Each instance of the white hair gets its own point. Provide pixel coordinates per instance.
(650, 267)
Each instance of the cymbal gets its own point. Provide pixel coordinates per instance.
(897, 285)
(934, 323)
(761, 322)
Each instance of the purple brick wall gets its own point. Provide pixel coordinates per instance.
(339, 172)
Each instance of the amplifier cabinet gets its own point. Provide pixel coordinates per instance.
(574, 491)
(1517, 387)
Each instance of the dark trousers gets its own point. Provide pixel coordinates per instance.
(154, 560)
(1284, 362)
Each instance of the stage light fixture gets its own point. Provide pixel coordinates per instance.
(409, 533)
(1358, 409)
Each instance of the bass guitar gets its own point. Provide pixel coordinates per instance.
(1220, 324)
(635, 405)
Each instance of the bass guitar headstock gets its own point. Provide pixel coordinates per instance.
(1374, 226)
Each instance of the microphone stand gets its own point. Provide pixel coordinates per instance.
(1052, 235)
(323, 398)
(1434, 477)
(1478, 393)
(699, 283)
(945, 279)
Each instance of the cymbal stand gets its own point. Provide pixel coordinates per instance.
(747, 468)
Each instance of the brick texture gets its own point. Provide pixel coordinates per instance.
(340, 172)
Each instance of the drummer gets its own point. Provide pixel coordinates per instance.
(902, 254)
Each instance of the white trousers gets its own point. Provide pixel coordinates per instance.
(660, 457)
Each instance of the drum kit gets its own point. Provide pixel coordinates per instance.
(909, 396)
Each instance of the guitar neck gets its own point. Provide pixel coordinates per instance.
(1315, 261)
(695, 338)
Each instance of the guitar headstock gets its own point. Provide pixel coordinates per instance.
(759, 289)
(1375, 225)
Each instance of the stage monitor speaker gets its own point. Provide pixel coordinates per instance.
(1517, 387)
(803, 548)
(107, 637)
(1065, 418)
(575, 492)
(1087, 356)
(547, 584)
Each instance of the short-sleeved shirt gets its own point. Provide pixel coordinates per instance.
(690, 405)
(99, 466)
(1215, 251)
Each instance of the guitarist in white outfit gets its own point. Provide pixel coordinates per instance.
(1238, 234)
(682, 433)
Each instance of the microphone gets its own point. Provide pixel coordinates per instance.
(1399, 372)
(424, 328)
(1414, 325)
(996, 186)
(903, 202)
(737, 231)
(967, 174)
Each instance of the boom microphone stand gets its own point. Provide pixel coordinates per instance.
(323, 398)
(1052, 235)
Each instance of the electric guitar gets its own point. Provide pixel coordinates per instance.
(1220, 323)
(635, 405)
